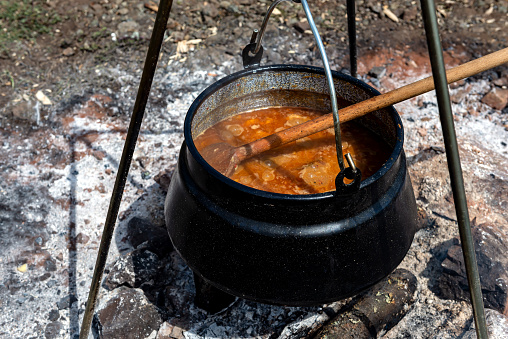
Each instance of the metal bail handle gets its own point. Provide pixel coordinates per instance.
(350, 172)
(252, 54)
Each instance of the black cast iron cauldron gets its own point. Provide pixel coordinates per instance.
(295, 250)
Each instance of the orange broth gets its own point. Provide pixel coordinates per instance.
(305, 166)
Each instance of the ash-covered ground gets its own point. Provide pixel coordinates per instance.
(59, 160)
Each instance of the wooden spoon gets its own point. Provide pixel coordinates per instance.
(225, 158)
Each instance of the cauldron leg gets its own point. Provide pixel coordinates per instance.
(209, 298)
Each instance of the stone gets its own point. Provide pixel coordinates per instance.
(379, 309)
(127, 28)
(66, 301)
(170, 331)
(52, 330)
(155, 238)
(459, 95)
(497, 98)
(82, 238)
(491, 246)
(377, 72)
(501, 82)
(163, 178)
(53, 315)
(410, 14)
(302, 26)
(209, 10)
(497, 326)
(133, 269)
(49, 265)
(68, 51)
(127, 315)
(25, 110)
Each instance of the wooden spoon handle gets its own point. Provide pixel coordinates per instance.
(370, 105)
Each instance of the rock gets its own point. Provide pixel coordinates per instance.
(127, 315)
(127, 28)
(83, 238)
(376, 8)
(497, 326)
(53, 315)
(25, 110)
(302, 26)
(459, 95)
(209, 10)
(170, 331)
(133, 269)
(163, 178)
(52, 330)
(491, 246)
(155, 238)
(68, 51)
(123, 11)
(497, 98)
(410, 14)
(377, 72)
(66, 301)
(381, 308)
(49, 265)
(501, 82)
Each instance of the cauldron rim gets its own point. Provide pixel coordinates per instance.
(399, 134)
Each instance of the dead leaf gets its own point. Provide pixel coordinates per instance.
(442, 12)
(152, 6)
(390, 14)
(490, 10)
(43, 98)
(181, 47)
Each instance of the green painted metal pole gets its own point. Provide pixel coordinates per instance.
(454, 167)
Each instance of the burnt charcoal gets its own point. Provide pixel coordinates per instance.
(133, 269)
(127, 315)
(154, 238)
(380, 308)
(491, 246)
(177, 301)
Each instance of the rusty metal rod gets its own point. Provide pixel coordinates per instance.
(145, 84)
(454, 167)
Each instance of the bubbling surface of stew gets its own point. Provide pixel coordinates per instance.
(305, 166)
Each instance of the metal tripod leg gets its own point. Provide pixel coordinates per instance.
(351, 31)
(145, 84)
(454, 167)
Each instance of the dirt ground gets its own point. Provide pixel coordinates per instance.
(62, 56)
(69, 73)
